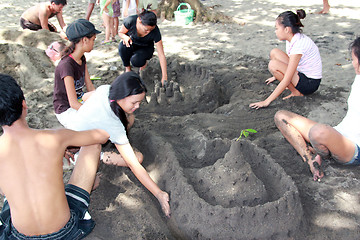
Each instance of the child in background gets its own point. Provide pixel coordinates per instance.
(117, 13)
(130, 7)
(71, 74)
(107, 13)
(300, 68)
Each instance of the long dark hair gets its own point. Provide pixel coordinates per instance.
(292, 20)
(148, 18)
(355, 48)
(127, 84)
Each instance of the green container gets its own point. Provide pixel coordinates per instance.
(184, 16)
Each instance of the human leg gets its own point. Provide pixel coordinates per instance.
(84, 173)
(107, 23)
(141, 55)
(90, 9)
(278, 66)
(295, 129)
(326, 7)
(327, 141)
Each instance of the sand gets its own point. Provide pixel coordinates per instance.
(257, 188)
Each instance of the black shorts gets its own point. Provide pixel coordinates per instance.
(307, 85)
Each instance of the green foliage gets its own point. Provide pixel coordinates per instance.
(245, 133)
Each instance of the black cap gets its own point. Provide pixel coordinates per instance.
(80, 28)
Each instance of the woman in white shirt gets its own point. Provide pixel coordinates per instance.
(300, 68)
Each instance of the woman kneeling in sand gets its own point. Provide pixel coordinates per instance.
(341, 142)
(111, 108)
(300, 68)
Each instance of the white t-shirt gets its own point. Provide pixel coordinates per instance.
(310, 62)
(96, 113)
(350, 125)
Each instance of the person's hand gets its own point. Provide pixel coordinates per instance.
(106, 10)
(127, 41)
(258, 105)
(270, 80)
(163, 199)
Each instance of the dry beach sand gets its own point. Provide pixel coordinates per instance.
(257, 188)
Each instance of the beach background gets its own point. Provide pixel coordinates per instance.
(221, 69)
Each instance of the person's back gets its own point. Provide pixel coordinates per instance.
(31, 176)
(32, 181)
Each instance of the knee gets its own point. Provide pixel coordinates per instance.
(274, 52)
(140, 157)
(319, 133)
(280, 117)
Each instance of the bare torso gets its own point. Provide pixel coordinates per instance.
(32, 181)
(34, 13)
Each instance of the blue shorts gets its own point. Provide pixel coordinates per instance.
(356, 158)
(307, 85)
(79, 225)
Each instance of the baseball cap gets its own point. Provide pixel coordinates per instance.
(80, 28)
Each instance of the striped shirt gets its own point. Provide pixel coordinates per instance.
(310, 62)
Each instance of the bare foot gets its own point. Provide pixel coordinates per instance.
(325, 10)
(315, 168)
(293, 95)
(163, 199)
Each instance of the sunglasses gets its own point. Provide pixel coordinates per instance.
(52, 48)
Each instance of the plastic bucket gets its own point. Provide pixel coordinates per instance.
(184, 16)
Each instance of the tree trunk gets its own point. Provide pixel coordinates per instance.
(202, 13)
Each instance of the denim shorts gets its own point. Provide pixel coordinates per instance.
(79, 225)
(356, 158)
(307, 85)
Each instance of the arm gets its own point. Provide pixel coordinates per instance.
(105, 9)
(163, 65)
(128, 155)
(289, 74)
(44, 17)
(71, 92)
(60, 19)
(122, 34)
(88, 83)
(82, 138)
(126, 8)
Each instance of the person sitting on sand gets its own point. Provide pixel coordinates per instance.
(37, 17)
(138, 34)
(37, 204)
(300, 68)
(112, 108)
(341, 142)
(71, 74)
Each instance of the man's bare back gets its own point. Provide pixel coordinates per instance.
(42, 12)
(31, 178)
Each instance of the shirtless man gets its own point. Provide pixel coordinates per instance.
(37, 17)
(31, 174)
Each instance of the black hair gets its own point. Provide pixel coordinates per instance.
(292, 20)
(11, 99)
(355, 47)
(71, 47)
(148, 18)
(57, 2)
(127, 84)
